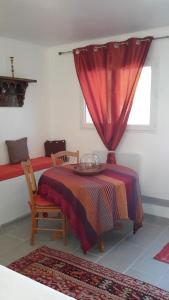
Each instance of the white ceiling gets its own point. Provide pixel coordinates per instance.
(55, 22)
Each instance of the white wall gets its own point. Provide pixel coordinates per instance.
(52, 109)
(149, 150)
(31, 120)
(14, 198)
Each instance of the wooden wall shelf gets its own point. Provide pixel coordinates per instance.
(12, 90)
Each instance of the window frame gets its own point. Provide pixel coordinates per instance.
(152, 126)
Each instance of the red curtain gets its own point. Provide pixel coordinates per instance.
(108, 76)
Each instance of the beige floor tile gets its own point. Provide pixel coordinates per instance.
(151, 278)
(87, 256)
(7, 243)
(120, 257)
(164, 282)
(17, 252)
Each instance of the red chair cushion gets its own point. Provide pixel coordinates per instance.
(14, 170)
(42, 202)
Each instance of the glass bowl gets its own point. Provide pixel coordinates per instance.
(89, 161)
(89, 165)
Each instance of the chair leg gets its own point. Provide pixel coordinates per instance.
(36, 223)
(33, 230)
(65, 229)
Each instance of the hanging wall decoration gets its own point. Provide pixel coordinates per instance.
(12, 89)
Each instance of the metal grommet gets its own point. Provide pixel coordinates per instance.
(138, 42)
(116, 45)
(95, 49)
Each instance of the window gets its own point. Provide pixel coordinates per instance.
(142, 112)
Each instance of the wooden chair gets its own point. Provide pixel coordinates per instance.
(41, 209)
(63, 157)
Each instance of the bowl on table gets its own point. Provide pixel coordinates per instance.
(89, 165)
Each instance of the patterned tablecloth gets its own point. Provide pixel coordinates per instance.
(93, 203)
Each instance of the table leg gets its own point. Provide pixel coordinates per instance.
(100, 245)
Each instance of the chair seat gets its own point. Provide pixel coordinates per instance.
(43, 202)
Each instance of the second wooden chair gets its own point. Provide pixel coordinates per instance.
(64, 156)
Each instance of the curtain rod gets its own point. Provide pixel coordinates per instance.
(156, 38)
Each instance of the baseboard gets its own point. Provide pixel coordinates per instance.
(156, 206)
(15, 220)
(155, 201)
(151, 205)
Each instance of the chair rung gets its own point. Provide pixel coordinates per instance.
(49, 229)
(47, 219)
(48, 208)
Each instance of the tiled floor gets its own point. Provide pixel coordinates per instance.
(124, 252)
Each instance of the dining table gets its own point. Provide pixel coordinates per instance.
(93, 203)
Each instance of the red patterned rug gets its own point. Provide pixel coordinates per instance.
(163, 255)
(82, 279)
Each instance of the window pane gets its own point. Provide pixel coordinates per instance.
(140, 112)
(87, 116)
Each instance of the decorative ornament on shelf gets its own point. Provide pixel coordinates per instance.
(12, 89)
(12, 66)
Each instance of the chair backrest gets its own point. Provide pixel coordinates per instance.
(30, 179)
(60, 156)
